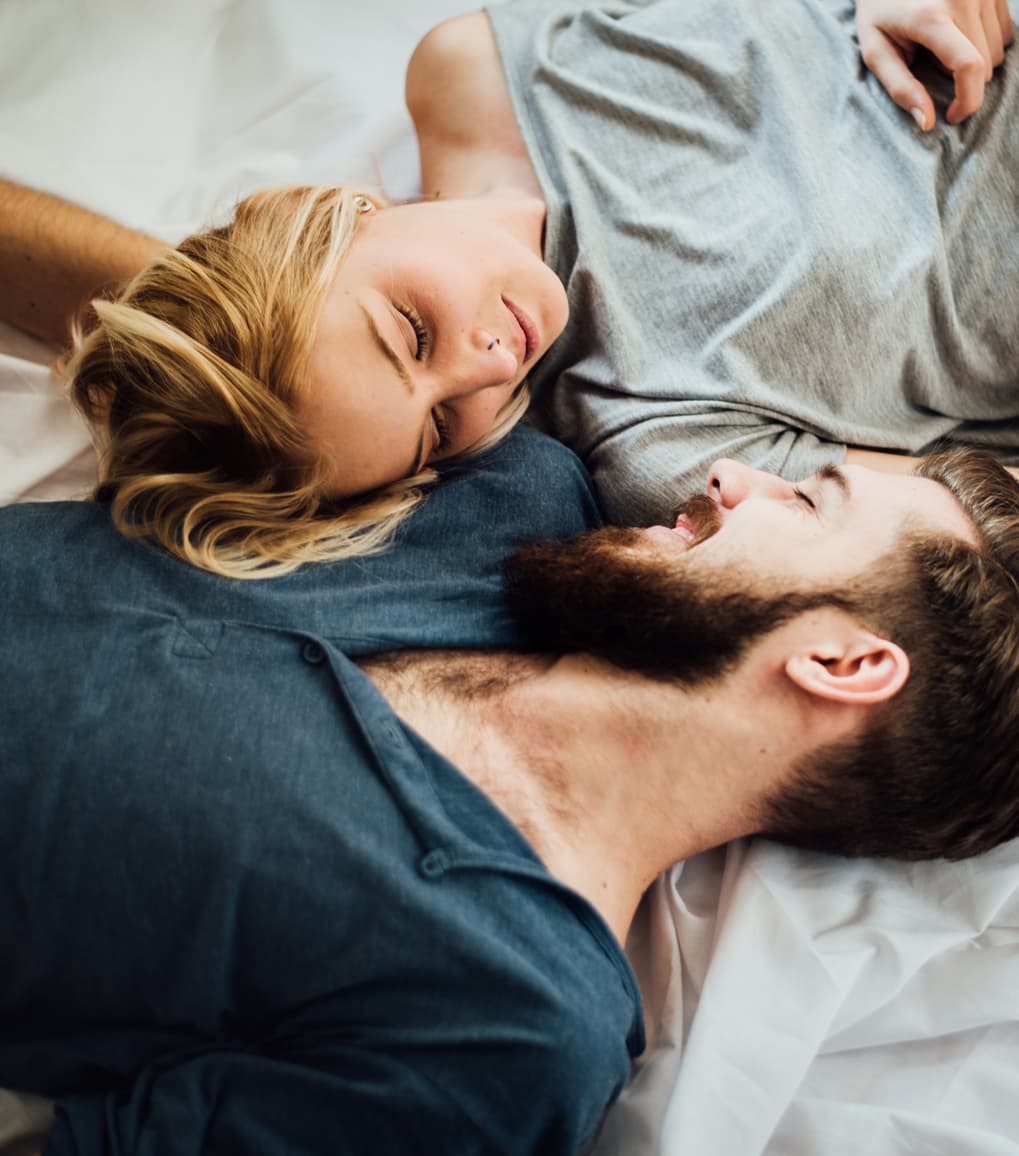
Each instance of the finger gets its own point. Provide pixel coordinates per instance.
(992, 32)
(970, 82)
(972, 27)
(1004, 22)
(960, 56)
(884, 58)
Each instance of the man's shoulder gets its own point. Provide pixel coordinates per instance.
(527, 467)
(438, 583)
(39, 538)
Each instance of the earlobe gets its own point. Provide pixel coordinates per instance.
(868, 671)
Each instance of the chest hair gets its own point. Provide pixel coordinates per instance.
(461, 703)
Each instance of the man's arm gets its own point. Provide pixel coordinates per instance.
(967, 37)
(56, 256)
(889, 463)
(321, 1095)
(884, 461)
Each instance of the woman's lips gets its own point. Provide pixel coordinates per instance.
(528, 330)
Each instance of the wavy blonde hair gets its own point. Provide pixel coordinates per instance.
(189, 382)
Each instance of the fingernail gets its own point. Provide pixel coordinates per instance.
(919, 116)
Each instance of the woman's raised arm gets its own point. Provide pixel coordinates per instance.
(459, 101)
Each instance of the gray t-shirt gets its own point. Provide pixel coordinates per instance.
(765, 258)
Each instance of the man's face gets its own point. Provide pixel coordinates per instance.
(752, 551)
(833, 528)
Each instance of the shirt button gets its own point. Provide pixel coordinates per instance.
(313, 653)
(433, 864)
(390, 733)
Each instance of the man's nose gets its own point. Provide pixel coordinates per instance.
(730, 483)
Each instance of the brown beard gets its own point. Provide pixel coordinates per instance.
(605, 593)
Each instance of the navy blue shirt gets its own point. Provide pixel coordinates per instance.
(245, 908)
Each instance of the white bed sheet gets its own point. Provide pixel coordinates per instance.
(797, 1005)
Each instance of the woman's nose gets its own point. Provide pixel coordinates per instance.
(486, 362)
(730, 483)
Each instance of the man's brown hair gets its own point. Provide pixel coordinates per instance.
(936, 774)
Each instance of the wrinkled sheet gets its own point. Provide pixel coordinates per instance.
(804, 1005)
(797, 1005)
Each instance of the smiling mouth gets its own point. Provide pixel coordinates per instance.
(697, 521)
(528, 330)
(682, 535)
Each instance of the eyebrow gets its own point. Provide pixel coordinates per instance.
(390, 354)
(832, 473)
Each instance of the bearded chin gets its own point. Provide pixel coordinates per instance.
(604, 593)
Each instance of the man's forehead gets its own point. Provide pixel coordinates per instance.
(925, 504)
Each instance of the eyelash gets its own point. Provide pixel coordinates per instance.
(804, 498)
(424, 342)
(443, 427)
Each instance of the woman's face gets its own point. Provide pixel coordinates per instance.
(438, 312)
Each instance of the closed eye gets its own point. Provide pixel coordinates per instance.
(421, 335)
(804, 497)
(442, 428)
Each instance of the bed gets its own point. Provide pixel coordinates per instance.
(796, 1004)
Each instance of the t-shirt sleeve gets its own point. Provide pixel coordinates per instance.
(761, 262)
(647, 468)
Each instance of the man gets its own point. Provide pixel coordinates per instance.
(813, 276)
(268, 900)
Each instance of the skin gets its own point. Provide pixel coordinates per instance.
(810, 682)
(57, 256)
(433, 320)
(967, 37)
(456, 67)
(480, 166)
(825, 529)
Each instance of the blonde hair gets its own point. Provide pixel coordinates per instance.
(189, 382)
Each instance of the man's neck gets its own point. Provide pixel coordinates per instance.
(609, 776)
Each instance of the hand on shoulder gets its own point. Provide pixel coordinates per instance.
(967, 37)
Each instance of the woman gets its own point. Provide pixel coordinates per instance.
(269, 393)
(300, 371)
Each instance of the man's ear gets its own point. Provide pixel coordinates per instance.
(861, 669)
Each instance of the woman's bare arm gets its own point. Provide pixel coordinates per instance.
(56, 256)
(460, 104)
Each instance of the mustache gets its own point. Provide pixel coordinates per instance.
(702, 514)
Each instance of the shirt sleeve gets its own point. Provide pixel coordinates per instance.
(236, 1103)
(646, 469)
(337, 1098)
